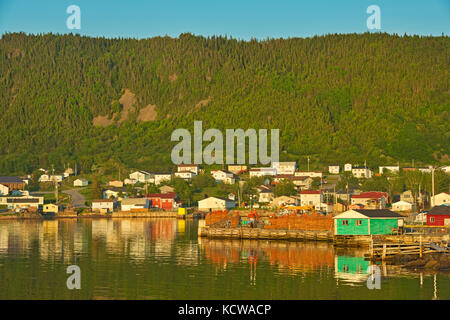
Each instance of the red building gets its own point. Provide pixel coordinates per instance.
(165, 201)
(439, 216)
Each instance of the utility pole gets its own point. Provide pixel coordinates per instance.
(432, 186)
(56, 184)
(308, 163)
(348, 198)
(335, 200)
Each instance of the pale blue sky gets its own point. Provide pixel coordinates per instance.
(242, 19)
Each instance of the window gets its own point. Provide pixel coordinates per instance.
(359, 222)
(431, 219)
(345, 268)
(345, 222)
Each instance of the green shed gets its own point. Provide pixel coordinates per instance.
(367, 222)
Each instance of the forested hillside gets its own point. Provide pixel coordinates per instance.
(337, 98)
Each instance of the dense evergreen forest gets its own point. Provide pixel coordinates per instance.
(338, 98)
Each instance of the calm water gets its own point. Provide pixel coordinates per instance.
(163, 259)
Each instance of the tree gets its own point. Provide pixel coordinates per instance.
(285, 188)
(183, 190)
(347, 179)
(202, 181)
(96, 189)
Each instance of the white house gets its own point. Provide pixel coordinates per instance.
(130, 181)
(115, 183)
(22, 202)
(134, 203)
(194, 168)
(421, 218)
(215, 203)
(80, 183)
(334, 169)
(261, 172)
(114, 193)
(162, 177)
(141, 176)
(424, 170)
(348, 167)
(51, 178)
(403, 206)
(303, 183)
(446, 169)
(441, 199)
(362, 172)
(312, 174)
(104, 205)
(186, 175)
(222, 175)
(371, 199)
(4, 190)
(265, 196)
(284, 167)
(284, 201)
(388, 168)
(237, 168)
(68, 172)
(311, 198)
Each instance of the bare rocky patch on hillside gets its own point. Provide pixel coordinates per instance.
(148, 113)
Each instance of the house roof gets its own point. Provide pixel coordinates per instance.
(220, 198)
(128, 201)
(10, 180)
(378, 213)
(104, 200)
(300, 178)
(402, 203)
(370, 195)
(168, 195)
(284, 176)
(311, 192)
(187, 165)
(367, 213)
(22, 200)
(445, 210)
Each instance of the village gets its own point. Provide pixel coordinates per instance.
(276, 202)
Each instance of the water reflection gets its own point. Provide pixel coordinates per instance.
(288, 257)
(164, 259)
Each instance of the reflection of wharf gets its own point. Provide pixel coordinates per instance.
(264, 234)
(293, 255)
(384, 251)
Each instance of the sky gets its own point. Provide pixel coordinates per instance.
(240, 19)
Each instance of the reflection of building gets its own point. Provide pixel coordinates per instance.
(351, 269)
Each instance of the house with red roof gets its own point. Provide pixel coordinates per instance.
(371, 199)
(311, 198)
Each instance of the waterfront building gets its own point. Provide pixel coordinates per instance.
(439, 216)
(103, 205)
(367, 222)
(215, 203)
